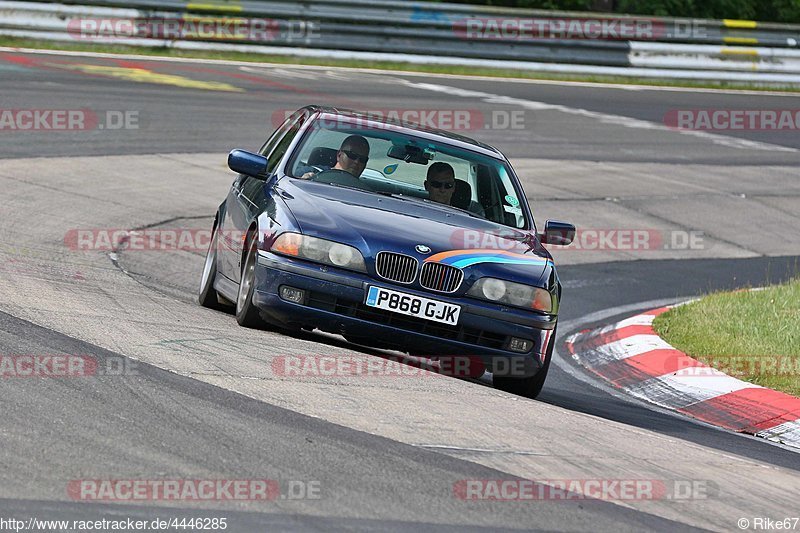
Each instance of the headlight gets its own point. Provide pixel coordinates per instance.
(516, 294)
(319, 251)
(493, 289)
(341, 255)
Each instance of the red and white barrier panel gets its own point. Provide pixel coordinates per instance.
(631, 356)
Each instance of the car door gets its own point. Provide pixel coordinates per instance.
(246, 198)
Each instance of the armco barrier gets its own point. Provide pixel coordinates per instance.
(428, 15)
(331, 32)
(445, 33)
(712, 57)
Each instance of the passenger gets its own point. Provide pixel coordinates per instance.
(440, 182)
(441, 187)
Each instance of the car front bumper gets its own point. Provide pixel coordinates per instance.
(334, 302)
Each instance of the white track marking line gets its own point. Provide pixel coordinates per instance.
(638, 320)
(788, 431)
(605, 118)
(623, 349)
(465, 77)
(679, 391)
(791, 429)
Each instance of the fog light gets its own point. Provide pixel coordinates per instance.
(520, 345)
(291, 294)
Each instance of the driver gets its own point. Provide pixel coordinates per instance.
(352, 157)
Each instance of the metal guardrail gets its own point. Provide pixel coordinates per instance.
(332, 30)
(430, 15)
(444, 31)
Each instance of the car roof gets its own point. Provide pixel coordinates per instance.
(410, 128)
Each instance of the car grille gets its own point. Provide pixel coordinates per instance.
(439, 277)
(474, 336)
(396, 267)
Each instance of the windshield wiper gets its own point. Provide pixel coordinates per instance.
(448, 206)
(343, 186)
(470, 213)
(393, 195)
(407, 197)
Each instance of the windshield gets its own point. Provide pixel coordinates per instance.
(385, 161)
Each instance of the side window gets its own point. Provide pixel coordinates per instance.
(488, 193)
(277, 152)
(513, 212)
(276, 136)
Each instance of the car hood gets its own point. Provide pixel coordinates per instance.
(373, 223)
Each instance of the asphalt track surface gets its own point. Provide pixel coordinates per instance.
(386, 454)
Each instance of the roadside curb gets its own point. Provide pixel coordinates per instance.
(631, 356)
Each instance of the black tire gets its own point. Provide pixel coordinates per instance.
(527, 387)
(208, 296)
(246, 313)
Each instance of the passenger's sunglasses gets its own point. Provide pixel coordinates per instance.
(356, 157)
(441, 184)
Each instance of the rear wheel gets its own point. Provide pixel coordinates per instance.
(528, 387)
(247, 313)
(208, 296)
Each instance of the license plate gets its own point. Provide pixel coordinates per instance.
(408, 304)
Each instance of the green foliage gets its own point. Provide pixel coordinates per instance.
(711, 9)
(562, 5)
(751, 335)
(778, 10)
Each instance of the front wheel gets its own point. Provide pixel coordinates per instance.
(528, 387)
(208, 296)
(247, 313)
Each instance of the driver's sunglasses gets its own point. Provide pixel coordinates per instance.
(442, 184)
(355, 156)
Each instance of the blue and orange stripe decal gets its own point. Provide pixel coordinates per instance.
(465, 258)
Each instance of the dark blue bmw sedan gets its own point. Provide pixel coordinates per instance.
(393, 236)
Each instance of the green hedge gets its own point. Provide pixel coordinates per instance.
(763, 10)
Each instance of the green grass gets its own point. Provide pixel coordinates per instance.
(751, 335)
(383, 65)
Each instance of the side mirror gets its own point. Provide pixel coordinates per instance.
(247, 163)
(557, 233)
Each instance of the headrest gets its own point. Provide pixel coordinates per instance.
(322, 157)
(462, 195)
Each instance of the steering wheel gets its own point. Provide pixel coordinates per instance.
(339, 177)
(333, 171)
